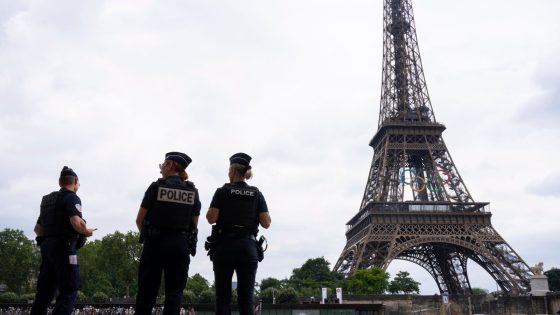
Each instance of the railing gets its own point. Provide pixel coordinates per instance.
(208, 309)
(415, 207)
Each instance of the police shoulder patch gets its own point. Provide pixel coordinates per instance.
(78, 207)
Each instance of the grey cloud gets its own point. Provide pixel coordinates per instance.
(543, 110)
(546, 187)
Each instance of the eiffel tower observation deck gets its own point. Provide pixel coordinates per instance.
(416, 206)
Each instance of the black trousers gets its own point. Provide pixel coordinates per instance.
(239, 256)
(59, 271)
(167, 253)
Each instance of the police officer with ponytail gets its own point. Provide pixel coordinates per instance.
(60, 232)
(167, 219)
(237, 209)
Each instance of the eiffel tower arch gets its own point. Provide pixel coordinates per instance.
(439, 226)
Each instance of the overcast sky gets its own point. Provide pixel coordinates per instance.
(107, 87)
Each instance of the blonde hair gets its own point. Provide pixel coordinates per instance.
(242, 170)
(176, 167)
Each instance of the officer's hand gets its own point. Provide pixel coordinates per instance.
(89, 232)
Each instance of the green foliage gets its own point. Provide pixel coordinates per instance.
(309, 292)
(267, 295)
(270, 283)
(118, 257)
(197, 284)
(313, 273)
(26, 297)
(479, 291)
(207, 296)
(20, 260)
(288, 296)
(403, 283)
(110, 265)
(189, 297)
(368, 281)
(553, 279)
(100, 297)
(81, 298)
(8, 297)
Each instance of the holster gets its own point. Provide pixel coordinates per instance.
(192, 239)
(72, 242)
(144, 233)
(39, 240)
(212, 241)
(260, 249)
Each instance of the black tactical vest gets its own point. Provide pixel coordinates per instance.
(173, 205)
(53, 219)
(239, 213)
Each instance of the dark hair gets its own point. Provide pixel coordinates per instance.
(67, 180)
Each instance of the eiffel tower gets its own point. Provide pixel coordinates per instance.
(439, 226)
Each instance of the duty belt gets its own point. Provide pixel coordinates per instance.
(157, 231)
(239, 236)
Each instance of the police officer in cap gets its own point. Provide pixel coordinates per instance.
(237, 209)
(167, 219)
(60, 229)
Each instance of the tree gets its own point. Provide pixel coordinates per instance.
(119, 257)
(20, 260)
(288, 296)
(553, 279)
(197, 284)
(267, 295)
(316, 269)
(270, 283)
(8, 297)
(314, 273)
(479, 291)
(81, 297)
(404, 283)
(189, 296)
(100, 297)
(92, 277)
(368, 281)
(207, 297)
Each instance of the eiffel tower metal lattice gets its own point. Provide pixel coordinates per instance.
(439, 227)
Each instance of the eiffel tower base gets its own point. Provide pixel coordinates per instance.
(442, 243)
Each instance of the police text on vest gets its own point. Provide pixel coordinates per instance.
(176, 195)
(242, 192)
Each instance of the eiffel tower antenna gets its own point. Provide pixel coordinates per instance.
(416, 206)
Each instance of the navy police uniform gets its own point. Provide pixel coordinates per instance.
(239, 205)
(171, 204)
(59, 263)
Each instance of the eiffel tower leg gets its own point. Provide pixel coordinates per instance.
(448, 268)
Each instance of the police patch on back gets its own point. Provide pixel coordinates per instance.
(242, 192)
(176, 195)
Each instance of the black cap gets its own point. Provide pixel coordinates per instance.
(179, 157)
(66, 171)
(240, 158)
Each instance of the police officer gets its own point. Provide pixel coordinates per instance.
(58, 231)
(237, 209)
(167, 219)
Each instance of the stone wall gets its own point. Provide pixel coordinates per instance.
(459, 304)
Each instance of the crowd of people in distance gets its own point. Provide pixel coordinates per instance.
(90, 310)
